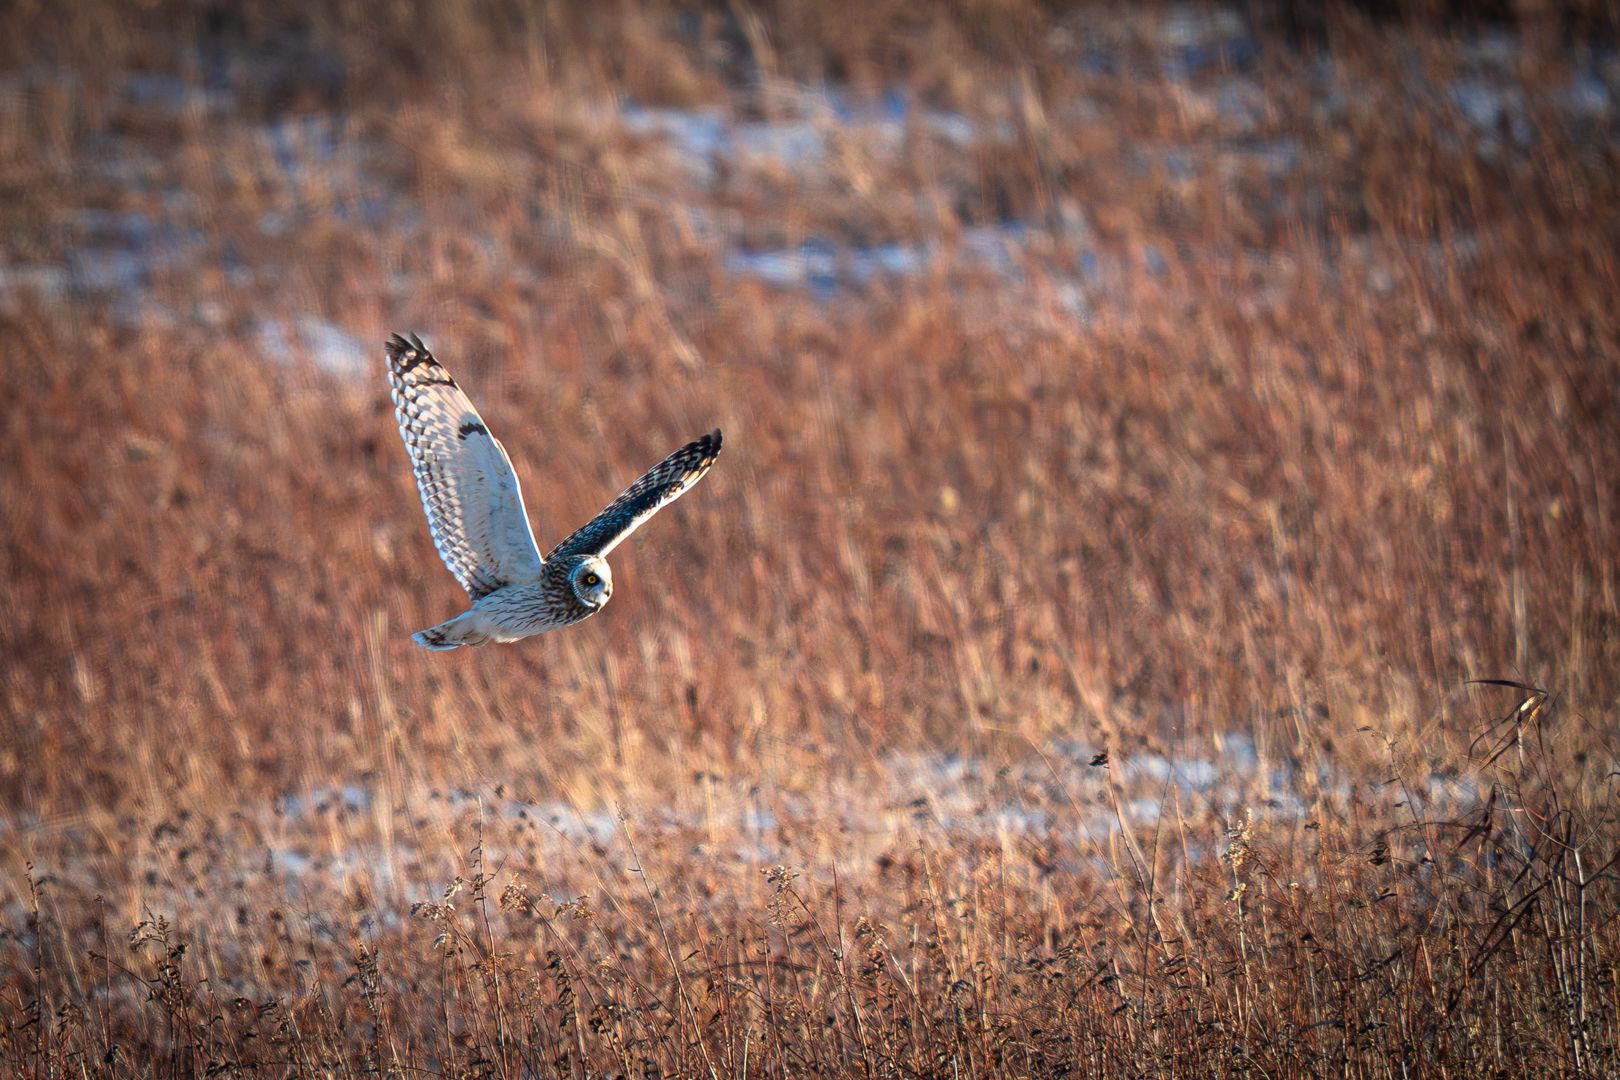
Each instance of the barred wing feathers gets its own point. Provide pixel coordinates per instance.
(660, 486)
(473, 502)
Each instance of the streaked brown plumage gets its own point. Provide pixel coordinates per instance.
(475, 512)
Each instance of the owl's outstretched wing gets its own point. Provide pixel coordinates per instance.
(662, 485)
(473, 502)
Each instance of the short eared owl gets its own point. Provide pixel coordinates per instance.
(475, 512)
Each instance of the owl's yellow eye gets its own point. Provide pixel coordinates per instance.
(591, 579)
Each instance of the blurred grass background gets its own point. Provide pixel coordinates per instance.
(1214, 387)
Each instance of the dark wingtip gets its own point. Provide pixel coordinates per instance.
(400, 347)
(706, 446)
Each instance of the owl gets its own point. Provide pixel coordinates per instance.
(475, 512)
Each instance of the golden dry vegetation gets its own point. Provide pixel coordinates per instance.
(1068, 669)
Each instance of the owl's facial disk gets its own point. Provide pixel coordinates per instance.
(593, 582)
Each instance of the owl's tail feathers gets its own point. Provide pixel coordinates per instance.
(457, 632)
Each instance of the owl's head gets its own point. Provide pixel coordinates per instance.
(592, 581)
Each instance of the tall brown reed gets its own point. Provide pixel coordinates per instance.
(813, 794)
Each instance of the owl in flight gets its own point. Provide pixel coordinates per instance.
(475, 512)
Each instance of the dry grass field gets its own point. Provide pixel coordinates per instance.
(1156, 612)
